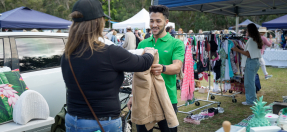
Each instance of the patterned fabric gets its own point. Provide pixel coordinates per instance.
(11, 87)
(238, 87)
(223, 55)
(128, 79)
(223, 82)
(188, 79)
(233, 65)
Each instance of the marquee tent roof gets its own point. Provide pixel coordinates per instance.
(23, 17)
(280, 23)
(245, 23)
(139, 20)
(227, 7)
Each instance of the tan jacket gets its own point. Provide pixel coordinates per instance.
(130, 41)
(151, 102)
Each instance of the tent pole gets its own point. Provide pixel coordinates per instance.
(236, 23)
(109, 13)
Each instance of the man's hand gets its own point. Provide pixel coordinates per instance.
(156, 69)
(137, 35)
(129, 104)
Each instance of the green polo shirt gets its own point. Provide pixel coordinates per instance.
(169, 49)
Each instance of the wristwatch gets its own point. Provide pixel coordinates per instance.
(131, 95)
(163, 68)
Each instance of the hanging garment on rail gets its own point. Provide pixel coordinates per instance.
(188, 79)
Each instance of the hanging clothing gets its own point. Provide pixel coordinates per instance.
(188, 79)
(233, 65)
(230, 45)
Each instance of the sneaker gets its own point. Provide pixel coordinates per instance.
(268, 76)
(245, 103)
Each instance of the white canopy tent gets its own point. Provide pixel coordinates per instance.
(170, 24)
(139, 20)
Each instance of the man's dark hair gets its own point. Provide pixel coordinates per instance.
(147, 30)
(160, 8)
(167, 29)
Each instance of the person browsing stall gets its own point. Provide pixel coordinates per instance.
(171, 55)
(250, 60)
(130, 40)
(148, 34)
(139, 37)
(96, 68)
(263, 31)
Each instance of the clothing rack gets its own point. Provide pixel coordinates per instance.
(197, 100)
(234, 100)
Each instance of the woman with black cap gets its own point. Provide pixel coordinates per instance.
(93, 71)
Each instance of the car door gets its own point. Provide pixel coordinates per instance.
(38, 58)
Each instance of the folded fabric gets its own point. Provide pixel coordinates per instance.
(151, 102)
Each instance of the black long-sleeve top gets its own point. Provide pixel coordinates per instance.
(100, 77)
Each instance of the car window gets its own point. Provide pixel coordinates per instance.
(1, 52)
(39, 53)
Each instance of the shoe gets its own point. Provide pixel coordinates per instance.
(268, 76)
(245, 103)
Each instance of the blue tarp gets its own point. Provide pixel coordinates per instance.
(280, 23)
(227, 7)
(113, 22)
(246, 22)
(24, 17)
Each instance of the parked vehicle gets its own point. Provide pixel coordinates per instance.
(38, 56)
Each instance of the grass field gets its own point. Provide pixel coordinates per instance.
(272, 89)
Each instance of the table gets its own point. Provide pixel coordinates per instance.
(275, 58)
(13, 127)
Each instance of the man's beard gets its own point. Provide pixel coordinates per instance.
(160, 31)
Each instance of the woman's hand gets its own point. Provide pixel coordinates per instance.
(235, 48)
(150, 50)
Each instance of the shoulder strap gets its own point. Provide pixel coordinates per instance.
(85, 96)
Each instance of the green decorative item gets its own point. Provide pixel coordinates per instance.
(284, 111)
(11, 87)
(259, 111)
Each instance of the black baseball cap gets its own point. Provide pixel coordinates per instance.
(91, 9)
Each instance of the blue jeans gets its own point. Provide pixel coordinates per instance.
(251, 69)
(73, 124)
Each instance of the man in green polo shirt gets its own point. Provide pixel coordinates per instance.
(171, 55)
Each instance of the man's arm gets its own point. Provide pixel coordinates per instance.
(171, 69)
(174, 68)
(139, 37)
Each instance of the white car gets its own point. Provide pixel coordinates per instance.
(38, 56)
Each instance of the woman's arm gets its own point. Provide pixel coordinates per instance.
(246, 53)
(266, 42)
(122, 60)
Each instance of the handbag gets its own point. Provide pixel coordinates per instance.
(59, 125)
(85, 96)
